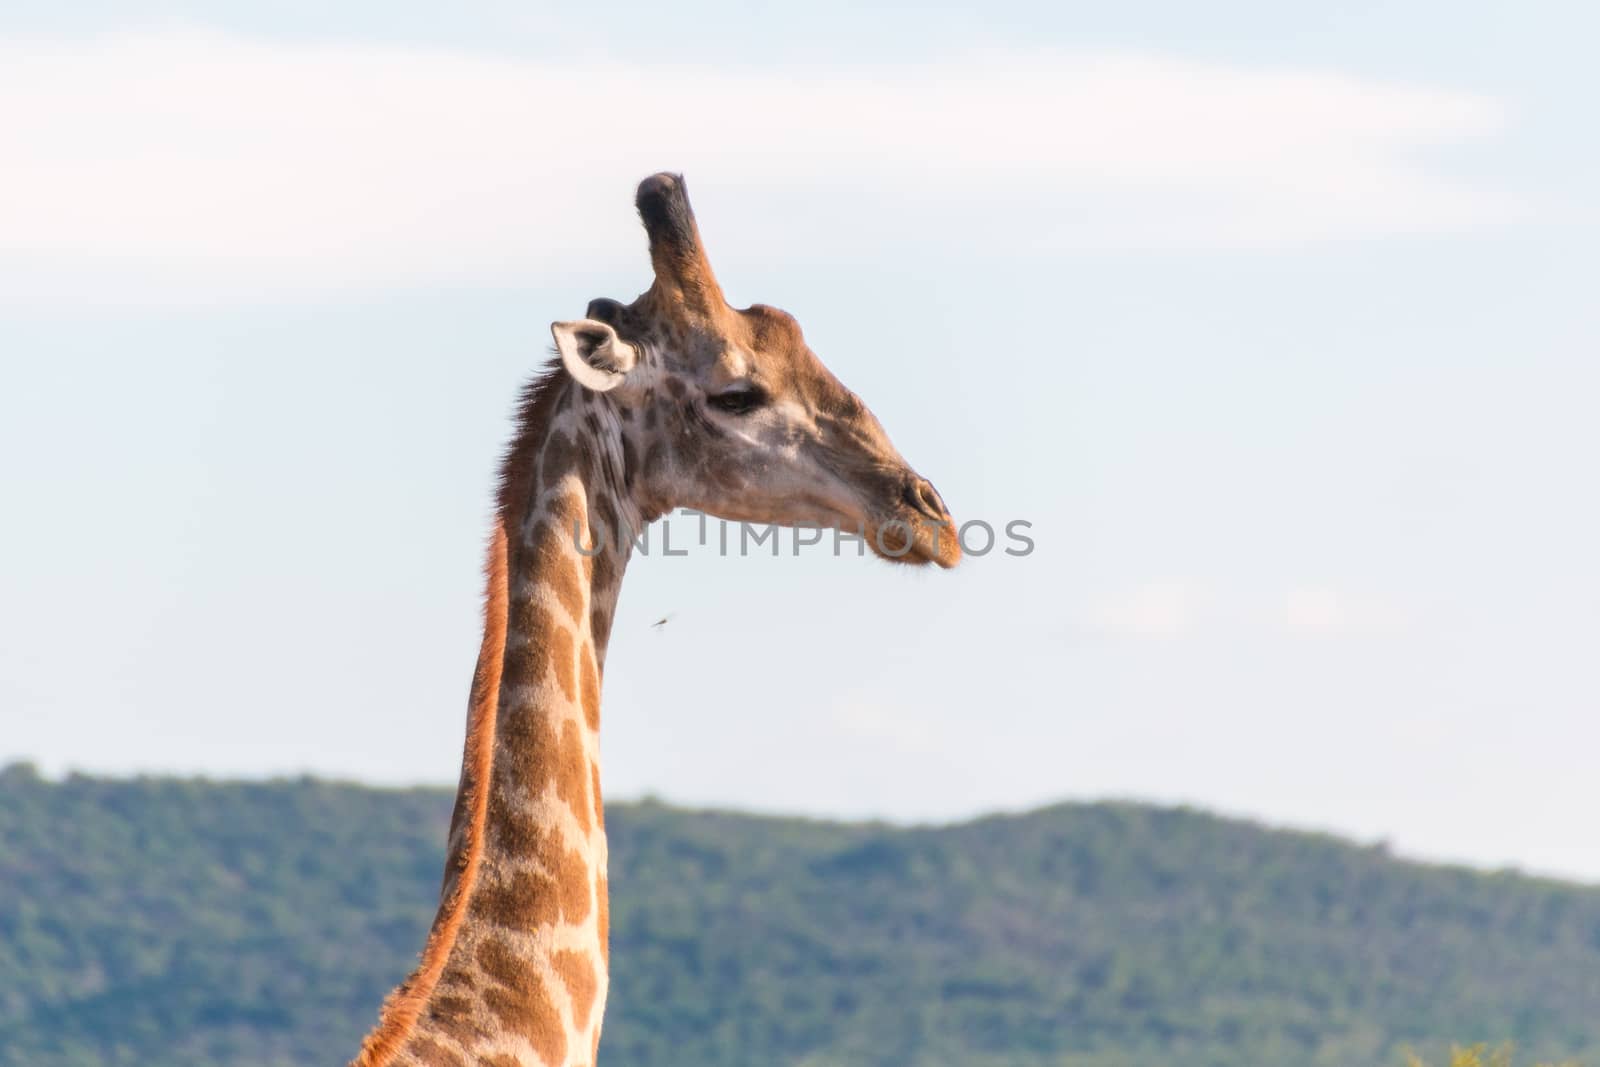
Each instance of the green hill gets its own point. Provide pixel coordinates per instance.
(169, 923)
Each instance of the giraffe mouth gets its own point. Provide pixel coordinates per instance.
(915, 538)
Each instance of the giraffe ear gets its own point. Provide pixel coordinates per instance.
(593, 353)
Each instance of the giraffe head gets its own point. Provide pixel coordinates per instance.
(729, 412)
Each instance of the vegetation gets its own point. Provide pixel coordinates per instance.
(1475, 1056)
(178, 923)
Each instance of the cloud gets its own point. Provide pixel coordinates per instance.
(1155, 609)
(1177, 608)
(1321, 609)
(196, 159)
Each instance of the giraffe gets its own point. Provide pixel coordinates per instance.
(676, 400)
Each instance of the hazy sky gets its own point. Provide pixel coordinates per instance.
(1278, 323)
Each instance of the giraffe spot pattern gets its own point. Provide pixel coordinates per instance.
(556, 559)
(530, 736)
(452, 1017)
(526, 901)
(527, 661)
(604, 572)
(561, 658)
(500, 963)
(458, 979)
(529, 899)
(600, 625)
(511, 828)
(432, 1054)
(611, 528)
(568, 511)
(630, 463)
(654, 458)
(559, 455)
(548, 648)
(529, 1013)
(572, 784)
(589, 678)
(577, 973)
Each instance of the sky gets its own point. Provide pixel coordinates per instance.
(1276, 323)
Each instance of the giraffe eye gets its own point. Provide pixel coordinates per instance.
(740, 401)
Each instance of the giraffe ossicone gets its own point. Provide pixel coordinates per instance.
(676, 400)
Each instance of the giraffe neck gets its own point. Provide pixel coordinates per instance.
(515, 970)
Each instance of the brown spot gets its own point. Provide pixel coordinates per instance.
(530, 1013)
(453, 1017)
(547, 647)
(500, 1059)
(578, 974)
(572, 873)
(603, 915)
(630, 463)
(589, 682)
(567, 512)
(458, 979)
(527, 661)
(580, 460)
(608, 519)
(572, 785)
(432, 1054)
(654, 457)
(689, 445)
(502, 964)
(587, 461)
(604, 574)
(675, 387)
(558, 459)
(511, 829)
(528, 743)
(561, 659)
(553, 555)
(599, 808)
(530, 899)
(599, 625)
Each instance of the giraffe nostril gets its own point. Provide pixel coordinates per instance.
(921, 494)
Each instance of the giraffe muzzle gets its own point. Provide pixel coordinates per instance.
(919, 528)
(920, 495)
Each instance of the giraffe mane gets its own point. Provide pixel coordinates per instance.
(401, 1008)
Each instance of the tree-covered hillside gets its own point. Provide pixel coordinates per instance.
(176, 923)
